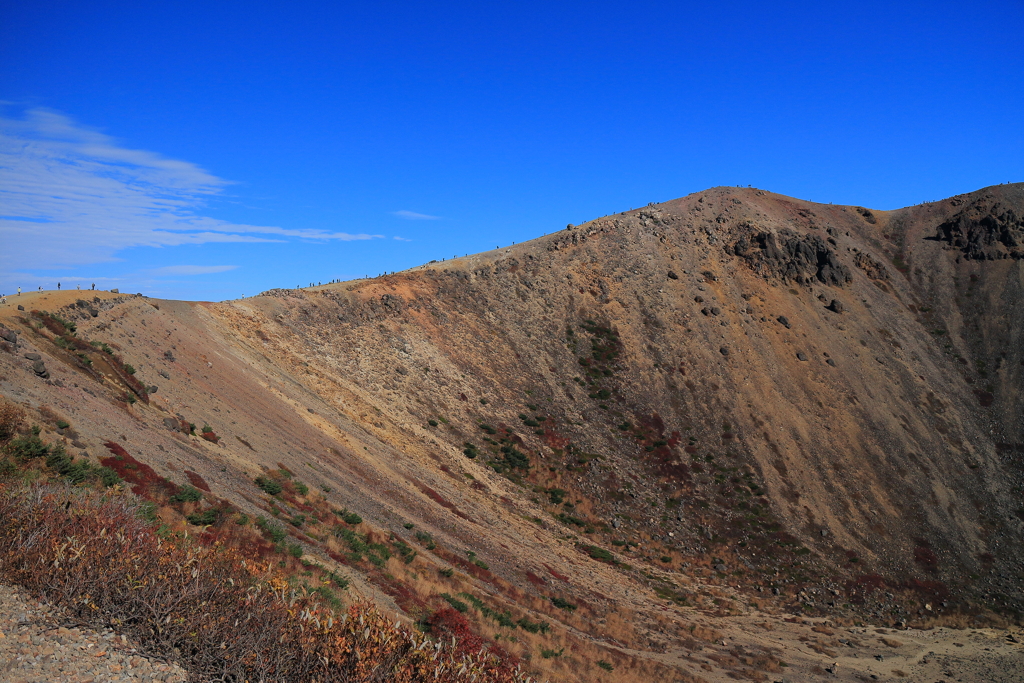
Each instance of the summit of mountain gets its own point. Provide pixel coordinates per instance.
(730, 408)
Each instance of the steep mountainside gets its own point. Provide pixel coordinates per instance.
(683, 419)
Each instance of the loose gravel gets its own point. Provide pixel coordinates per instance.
(37, 646)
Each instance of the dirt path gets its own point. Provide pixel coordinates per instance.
(813, 649)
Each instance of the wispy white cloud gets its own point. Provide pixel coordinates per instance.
(191, 270)
(70, 195)
(403, 239)
(413, 216)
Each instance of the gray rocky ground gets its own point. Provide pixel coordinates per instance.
(37, 645)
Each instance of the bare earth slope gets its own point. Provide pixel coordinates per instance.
(694, 421)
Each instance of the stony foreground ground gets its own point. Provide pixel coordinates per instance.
(37, 646)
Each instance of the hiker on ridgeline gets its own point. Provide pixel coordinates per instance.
(19, 291)
(94, 285)
(58, 286)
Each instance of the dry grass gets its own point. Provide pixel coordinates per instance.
(11, 417)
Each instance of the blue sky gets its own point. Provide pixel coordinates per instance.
(210, 150)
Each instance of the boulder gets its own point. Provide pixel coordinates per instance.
(9, 335)
(784, 321)
(40, 369)
(33, 356)
(801, 355)
(836, 306)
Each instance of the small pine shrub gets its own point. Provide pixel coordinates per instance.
(269, 485)
(349, 517)
(456, 604)
(206, 518)
(271, 530)
(187, 494)
(426, 539)
(605, 665)
(563, 604)
(301, 488)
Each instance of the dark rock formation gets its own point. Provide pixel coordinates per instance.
(985, 231)
(792, 258)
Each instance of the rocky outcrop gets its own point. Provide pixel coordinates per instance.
(791, 258)
(985, 231)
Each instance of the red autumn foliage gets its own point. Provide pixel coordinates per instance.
(197, 481)
(143, 478)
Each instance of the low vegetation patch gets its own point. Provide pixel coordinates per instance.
(222, 616)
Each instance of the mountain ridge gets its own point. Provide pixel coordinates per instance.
(822, 398)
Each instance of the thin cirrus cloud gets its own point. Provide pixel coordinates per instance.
(191, 270)
(413, 216)
(70, 195)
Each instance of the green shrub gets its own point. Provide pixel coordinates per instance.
(447, 572)
(563, 604)
(339, 581)
(187, 494)
(533, 626)
(548, 654)
(28, 447)
(359, 547)
(556, 496)
(295, 550)
(242, 519)
(426, 539)
(605, 665)
(405, 551)
(129, 369)
(205, 518)
(63, 424)
(301, 488)
(477, 561)
(269, 485)
(432, 423)
(349, 517)
(329, 597)
(273, 531)
(456, 604)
